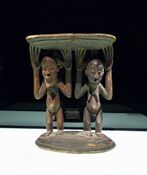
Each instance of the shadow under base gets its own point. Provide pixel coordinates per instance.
(75, 142)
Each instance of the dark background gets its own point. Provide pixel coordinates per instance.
(127, 21)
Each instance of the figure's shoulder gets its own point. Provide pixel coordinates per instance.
(59, 84)
(100, 86)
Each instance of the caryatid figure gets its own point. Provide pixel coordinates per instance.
(94, 88)
(51, 86)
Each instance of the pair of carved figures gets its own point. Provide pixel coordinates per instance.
(94, 70)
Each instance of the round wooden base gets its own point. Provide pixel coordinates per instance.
(76, 142)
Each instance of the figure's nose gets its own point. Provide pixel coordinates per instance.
(97, 75)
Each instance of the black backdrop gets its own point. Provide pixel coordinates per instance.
(127, 21)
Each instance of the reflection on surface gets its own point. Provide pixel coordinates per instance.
(123, 121)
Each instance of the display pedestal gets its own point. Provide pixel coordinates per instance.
(75, 142)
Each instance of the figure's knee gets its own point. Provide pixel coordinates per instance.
(86, 114)
(99, 117)
(99, 121)
(86, 120)
(49, 116)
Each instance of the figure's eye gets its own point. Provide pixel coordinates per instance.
(99, 72)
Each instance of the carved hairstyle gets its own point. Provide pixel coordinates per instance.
(94, 62)
(48, 59)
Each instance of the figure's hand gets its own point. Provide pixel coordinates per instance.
(67, 55)
(34, 56)
(68, 63)
(108, 53)
(35, 67)
(80, 53)
(108, 68)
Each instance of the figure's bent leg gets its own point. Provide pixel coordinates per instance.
(86, 120)
(60, 121)
(87, 123)
(99, 121)
(49, 123)
(98, 125)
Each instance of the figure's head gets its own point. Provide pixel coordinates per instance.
(49, 69)
(94, 71)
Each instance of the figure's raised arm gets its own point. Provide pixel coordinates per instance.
(66, 88)
(79, 89)
(34, 56)
(107, 92)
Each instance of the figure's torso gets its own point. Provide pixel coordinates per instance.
(53, 99)
(93, 101)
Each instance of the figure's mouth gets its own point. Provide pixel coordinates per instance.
(96, 80)
(48, 76)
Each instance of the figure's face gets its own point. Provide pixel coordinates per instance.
(49, 71)
(94, 72)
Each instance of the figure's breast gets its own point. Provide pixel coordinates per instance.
(93, 102)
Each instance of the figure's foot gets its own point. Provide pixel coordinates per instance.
(59, 132)
(46, 134)
(88, 133)
(100, 135)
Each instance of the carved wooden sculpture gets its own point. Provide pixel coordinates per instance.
(96, 69)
